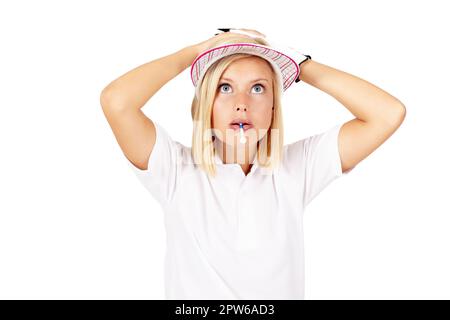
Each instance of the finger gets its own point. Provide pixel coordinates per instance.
(253, 31)
(247, 33)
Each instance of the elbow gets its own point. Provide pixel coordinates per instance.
(402, 112)
(398, 115)
(107, 101)
(104, 98)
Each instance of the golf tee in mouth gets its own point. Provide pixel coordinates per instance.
(241, 132)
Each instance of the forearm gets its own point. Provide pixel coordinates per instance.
(133, 89)
(363, 99)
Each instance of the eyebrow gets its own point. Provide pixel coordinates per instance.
(260, 79)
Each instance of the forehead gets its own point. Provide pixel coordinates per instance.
(250, 68)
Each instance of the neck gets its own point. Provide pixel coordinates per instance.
(242, 153)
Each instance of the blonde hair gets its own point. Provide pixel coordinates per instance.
(269, 148)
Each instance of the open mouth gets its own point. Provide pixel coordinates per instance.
(246, 126)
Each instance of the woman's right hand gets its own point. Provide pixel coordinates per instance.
(210, 43)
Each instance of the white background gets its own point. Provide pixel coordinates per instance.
(76, 224)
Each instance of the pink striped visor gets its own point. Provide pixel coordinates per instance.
(286, 69)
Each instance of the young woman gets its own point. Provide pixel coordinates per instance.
(234, 201)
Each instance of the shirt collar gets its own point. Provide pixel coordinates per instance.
(219, 161)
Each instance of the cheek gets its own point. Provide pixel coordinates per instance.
(264, 117)
(265, 103)
(219, 116)
(265, 122)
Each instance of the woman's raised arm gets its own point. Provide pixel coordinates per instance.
(377, 113)
(133, 89)
(123, 99)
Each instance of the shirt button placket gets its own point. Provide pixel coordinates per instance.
(241, 211)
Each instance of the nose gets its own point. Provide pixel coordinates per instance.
(241, 103)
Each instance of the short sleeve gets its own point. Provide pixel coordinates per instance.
(163, 167)
(322, 162)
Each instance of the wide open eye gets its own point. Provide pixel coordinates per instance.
(256, 85)
(259, 85)
(224, 84)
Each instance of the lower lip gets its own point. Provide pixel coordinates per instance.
(245, 127)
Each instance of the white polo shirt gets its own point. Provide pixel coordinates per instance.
(236, 236)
